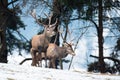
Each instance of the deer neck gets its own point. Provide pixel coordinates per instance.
(64, 52)
(46, 36)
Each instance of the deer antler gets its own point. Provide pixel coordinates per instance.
(55, 22)
(49, 18)
(63, 38)
(71, 38)
(70, 43)
(33, 14)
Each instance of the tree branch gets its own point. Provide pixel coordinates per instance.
(110, 58)
(13, 1)
(26, 59)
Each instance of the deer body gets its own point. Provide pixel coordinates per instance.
(40, 42)
(55, 52)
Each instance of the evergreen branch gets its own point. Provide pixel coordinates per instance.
(21, 36)
(113, 59)
(13, 1)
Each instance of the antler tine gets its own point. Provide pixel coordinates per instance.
(71, 39)
(63, 39)
(69, 43)
(50, 17)
(33, 14)
(55, 22)
(62, 36)
(65, 42)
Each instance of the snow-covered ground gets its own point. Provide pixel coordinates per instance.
(14, 71)
(23, 72)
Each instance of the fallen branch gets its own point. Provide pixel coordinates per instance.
(26, 59)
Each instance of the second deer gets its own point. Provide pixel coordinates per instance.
(55, 52)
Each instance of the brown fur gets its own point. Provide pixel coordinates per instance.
(40, 42)
(55, 52)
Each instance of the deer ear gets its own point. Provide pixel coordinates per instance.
(65, 44)
(72, 44)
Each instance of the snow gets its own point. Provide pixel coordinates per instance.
(14, 71)
(23, 72)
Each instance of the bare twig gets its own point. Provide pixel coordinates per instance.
(76, 47)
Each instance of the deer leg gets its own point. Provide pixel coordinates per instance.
(50, 64)
(40, 60)
(56, 63)
(60, 63)
(53, 63)
(45, 60)
(33, 53)
(40, 56)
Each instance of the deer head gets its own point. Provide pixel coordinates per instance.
(69, 48)
(49, 29)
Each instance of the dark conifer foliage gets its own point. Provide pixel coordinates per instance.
(10, 23)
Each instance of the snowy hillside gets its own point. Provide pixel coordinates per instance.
(17, 72)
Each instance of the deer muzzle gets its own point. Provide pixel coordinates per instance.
(73, 54)
(53, 33)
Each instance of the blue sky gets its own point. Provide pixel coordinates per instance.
(31, 27)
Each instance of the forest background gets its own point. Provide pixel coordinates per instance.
(92, 25)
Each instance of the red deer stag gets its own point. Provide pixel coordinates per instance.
(40, 42)
(55, 52)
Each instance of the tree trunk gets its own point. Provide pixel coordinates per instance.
(56, 14)
(100, 38)
(3, 22)
(3, 48)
